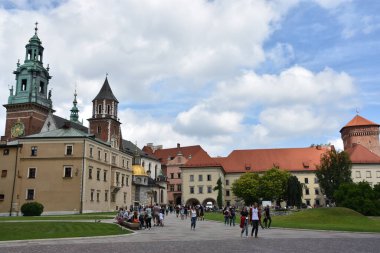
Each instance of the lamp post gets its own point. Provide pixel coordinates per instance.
(150, 187)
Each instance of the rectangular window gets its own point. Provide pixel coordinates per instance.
(32, 173)
(123, 163)
(171, 187)
(91, 151)
(316, 191)
(378, 174)
(1, 197)
(200, 189)
(208, 177)
(98, 174)
(69, 150)
(23, 85)
(106, 196)
(191, 178)
(67, 172)
(191, 189)
(171, 175)
(227, 193)
(118, 179)
(122, 180)
(125, 197)
(105, 157)
(306, 180)
(200, 178)
(6, 151)
(30, 194)
(368, 174)
(209, 189)
(179, 175)
(92, 195)
(227, 182)
(99, 155)
(179, 187)
(113, 197)
(90, 173)
(4, 173)
(308, 202)
(34, 151)
(357, 174)
(97, 196)
(127, 180)
(105, 176)
(113, 159)
(315, 180)
(307, 192)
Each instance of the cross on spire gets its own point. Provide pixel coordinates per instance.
(36, 29)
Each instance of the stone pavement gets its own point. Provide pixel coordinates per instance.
(178, 232)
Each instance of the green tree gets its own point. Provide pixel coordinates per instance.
(247, 188)
(294, 192)
(334, 170)
(273, 184)
(219, 188)
(359, 197)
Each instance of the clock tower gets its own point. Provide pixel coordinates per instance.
(29, 102)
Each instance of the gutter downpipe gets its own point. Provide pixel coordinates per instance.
(82, 176)
(14, 181)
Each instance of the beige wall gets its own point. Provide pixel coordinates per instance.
(314, 194)
(70, 194)
(214, 172)
(7, 175)
(366, 172)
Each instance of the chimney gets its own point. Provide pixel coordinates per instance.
(178, 145)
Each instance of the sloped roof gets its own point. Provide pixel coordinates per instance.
(165, 155)
(257, 160)
(201, 159)
(359, 121)
(131, 149)
(360, 154)
(105, 92)
(61, 132)
(61, 122)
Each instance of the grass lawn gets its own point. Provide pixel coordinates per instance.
(339, 219)
(87, 216)
(43, 230)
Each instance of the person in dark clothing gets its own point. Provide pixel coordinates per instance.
(267, 217)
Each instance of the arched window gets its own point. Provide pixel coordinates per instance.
(108, 109)
(99, 109)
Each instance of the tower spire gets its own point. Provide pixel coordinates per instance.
(36, 28)
(74, 115)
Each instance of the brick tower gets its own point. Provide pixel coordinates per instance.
(30, 102)
(104, 123)
(361, 131)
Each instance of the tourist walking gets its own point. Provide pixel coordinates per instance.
(244, 222)
(148, 217)
(232, 216)
(193, 214)
(267, 217)
(226, 216)
(254, 219)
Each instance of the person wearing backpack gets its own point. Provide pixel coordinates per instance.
(232, 216)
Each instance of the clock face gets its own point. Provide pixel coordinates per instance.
(17, 129)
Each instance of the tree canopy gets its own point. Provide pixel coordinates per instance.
(294, 192)
(334, 170)
(247, 187)
(273, 184)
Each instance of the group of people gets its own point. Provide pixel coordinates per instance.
(184, 211)
(252, 215)
(144, 215)
(229, 214)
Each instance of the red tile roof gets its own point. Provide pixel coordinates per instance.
(164, 154)
(290, 159)
(201, 159)
(360, 154)
(359, 121)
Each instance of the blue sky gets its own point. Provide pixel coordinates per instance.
(222, 74)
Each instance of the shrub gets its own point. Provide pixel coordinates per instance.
(32, 209)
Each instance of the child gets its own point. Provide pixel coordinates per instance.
(161, 216)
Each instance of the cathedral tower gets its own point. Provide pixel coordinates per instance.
(104, 123)
(29, 102)
(361, 131)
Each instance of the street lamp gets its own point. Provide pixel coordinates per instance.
(150, 187)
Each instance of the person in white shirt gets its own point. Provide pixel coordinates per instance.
(193, 214)
(255, 219)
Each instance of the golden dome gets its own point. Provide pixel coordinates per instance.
(138, 170)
